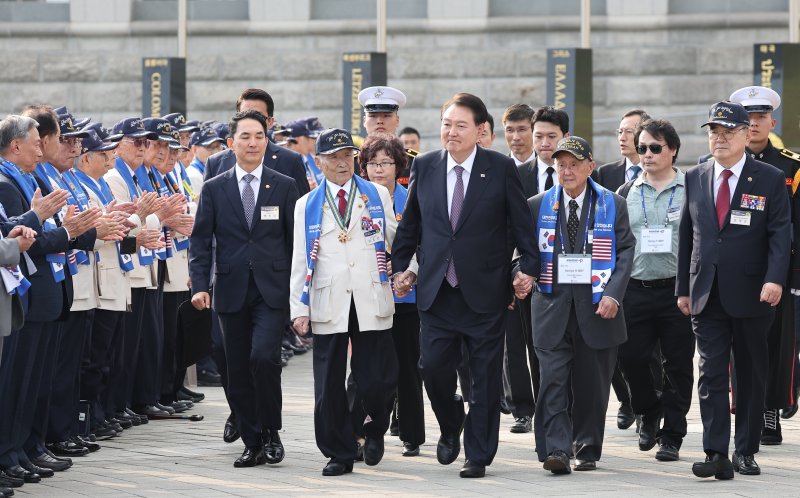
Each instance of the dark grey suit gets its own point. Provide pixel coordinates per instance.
(611, 175)
(284, 161)
(572, 341)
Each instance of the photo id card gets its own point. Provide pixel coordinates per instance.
(270, 213)
(656, 240)
(574, 268)
(740, 217)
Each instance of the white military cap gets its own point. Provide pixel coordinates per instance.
(757, 98)
(381, 99)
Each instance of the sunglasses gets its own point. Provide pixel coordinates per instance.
(137, 142)
(654, 148)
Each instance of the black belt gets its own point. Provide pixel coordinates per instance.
(661, 282)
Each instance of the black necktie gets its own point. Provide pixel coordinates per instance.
(549, 181)
(572, 223)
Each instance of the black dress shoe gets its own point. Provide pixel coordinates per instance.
(102, 432)
(67, 448)
(92, 447)
(522, 425)
(45, 461)
(142, 418)
(273, 447)
(150, 411)
(165, 408)
(6, 492)
(18, 472)
(181, 406)
(10, 482)
(58, 458)
(625, 416)
(745, 465)
(251, 458)
(771, 434)
(35, 469)
(124, 423)
(209, 378)
(647, 433)
(557, 463)
(231, 431)
(373, 450)
(337, 468)
(134, 420)
(716, 465)
(472, 469)
(186, 393)
(448, 448)
(410, 450)
(114, 426)
(667, 452)
(584, 465)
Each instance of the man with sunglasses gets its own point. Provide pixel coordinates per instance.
(760, 103)
(654, 202)
(733, 257)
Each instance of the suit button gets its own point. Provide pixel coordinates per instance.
(348, 291)
(452, 238)
(352, 264)
(719, 241)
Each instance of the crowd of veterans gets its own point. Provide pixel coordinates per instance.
(527, 284)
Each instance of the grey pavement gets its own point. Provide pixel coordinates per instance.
(181, 458)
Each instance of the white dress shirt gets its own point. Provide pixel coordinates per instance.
(532, 157)
(628, 173)
(578, 199)
(541, 173)
(452, 176)
(334, 190)
(255, 183)
(733, 181)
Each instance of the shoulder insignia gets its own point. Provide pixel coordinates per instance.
(790, 154)
(412, 152)
(795, 182)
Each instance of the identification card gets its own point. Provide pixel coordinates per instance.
(740, 218)
(673, 214)
(574, 269)
(270, 213)
(656, 240)
(373, 237)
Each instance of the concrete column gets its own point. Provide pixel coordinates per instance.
(279, 10)
(462, 9)
(100, 11)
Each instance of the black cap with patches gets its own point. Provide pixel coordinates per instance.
(728, 114)
(68, 128)
(131, 127)
(333, 140)
(94, 143)
(160, 127)
(576, 146)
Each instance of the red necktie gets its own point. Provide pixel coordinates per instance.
(342, 203)
(723, 198)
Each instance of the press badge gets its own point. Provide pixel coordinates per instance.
(740, 218)
(673, 214)
(574, 268)
(270, 213)
(656, 240)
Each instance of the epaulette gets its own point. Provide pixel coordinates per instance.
(791, 155)
(412, 153)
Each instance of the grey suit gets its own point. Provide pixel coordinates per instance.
(571, 341)
(11, 315)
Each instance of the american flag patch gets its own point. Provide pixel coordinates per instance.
(601, 248)
(546, 277)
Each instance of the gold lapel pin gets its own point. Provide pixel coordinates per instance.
(360, 206)
(266, 186)
(749, 178)
(274, 157)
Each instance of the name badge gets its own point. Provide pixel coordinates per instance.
(740, 218)
(656, 240)
(270, 213)
(673, 214)
(373, 237)
(574, 269)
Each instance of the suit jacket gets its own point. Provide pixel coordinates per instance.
(529, 178)
(11, 314)
(342, 270)
(264, 247)
(740, 258)
(284, 161)
(550, 312)
(493, 220)
(611, 175)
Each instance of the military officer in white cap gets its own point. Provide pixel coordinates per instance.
(381, 104)
(760, 102)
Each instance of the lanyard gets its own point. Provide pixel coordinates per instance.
(342, 221)
(587, 202)
(644, 211)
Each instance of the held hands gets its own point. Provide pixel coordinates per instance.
(685, 305)
(78, 224)
(201, 300)
(771, 293)
(300, 324)
(47, 206)
(523, 284)
(25, 237)
(403, 282)
(607, 308)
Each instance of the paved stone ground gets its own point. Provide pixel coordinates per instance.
(166, 458)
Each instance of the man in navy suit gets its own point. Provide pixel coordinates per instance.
(248, 211)
(465, 213)
(733, 260)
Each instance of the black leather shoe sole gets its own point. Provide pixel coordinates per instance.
(556, 466)
(472, 471)
(337, 469)
(711, 469)
(585, 465)
(410, 451)
(259, 460)
(667, 455)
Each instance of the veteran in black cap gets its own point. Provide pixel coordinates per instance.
(733, 254)
(760, 103)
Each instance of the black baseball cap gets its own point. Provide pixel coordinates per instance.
(576, 146)
(160, 127)
(205, 137)
(93, 143)
(68, 128)
(333, 140)
(728, 114)
(131, 127)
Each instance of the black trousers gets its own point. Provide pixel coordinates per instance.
(717, 333)
(573, 366)
(34, 429)
(123, 373)
(14, 388)
(63, 411)
(252, 340)
(410, 404)
(147, 384)
(781, 354)
(173, 344)
(523, 383)
(447, 324)
(100, 357)
(218, 353)
(373, 364)
(653, 319)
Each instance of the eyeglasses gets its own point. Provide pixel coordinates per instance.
(70, 141)
(137, 142)
(728, 134)
(384, 164)
(654, 148)
(625, 131)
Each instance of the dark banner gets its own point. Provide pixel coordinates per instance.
(163, 86)
(777, 66)
(359, 70)
(569, 87)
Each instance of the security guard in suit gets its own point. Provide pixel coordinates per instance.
(760, 102)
